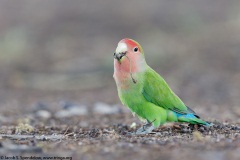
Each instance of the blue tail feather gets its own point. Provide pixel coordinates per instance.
(189, 115)
(192, 118)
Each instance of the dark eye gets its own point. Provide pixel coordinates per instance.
(135, 49)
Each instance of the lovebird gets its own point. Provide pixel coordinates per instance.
(145, 92)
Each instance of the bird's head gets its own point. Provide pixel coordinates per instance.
(128, 48)
(128, 59)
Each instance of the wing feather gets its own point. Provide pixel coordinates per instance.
(157, 91)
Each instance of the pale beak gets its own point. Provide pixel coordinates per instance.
(121, 51)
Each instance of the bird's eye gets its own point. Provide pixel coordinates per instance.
(135, 49)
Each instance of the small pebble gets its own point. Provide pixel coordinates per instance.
(202, 129)
(133, 125)
(103, 108)
(197, 136)
(72, 111)
(43, 114)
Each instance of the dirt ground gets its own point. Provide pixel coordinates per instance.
(58, 99)
(66, 130)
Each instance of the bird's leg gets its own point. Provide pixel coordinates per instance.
(147, 128)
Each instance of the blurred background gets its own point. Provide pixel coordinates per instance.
(63, 50)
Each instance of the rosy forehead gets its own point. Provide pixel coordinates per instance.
(129, 42)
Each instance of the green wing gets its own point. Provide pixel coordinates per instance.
(157, 91)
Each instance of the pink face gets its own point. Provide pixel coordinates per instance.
(128, 56)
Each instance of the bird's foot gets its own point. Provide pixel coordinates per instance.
(145, 129)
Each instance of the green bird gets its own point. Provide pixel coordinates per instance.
(145, 92)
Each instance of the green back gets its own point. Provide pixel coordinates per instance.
(157, 91)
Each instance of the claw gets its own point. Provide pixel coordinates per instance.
(145, 130)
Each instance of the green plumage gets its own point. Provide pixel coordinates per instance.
(145, 92)
(152, 100)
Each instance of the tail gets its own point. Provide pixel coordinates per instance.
(193, 119)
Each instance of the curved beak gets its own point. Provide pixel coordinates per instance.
(119, 56)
